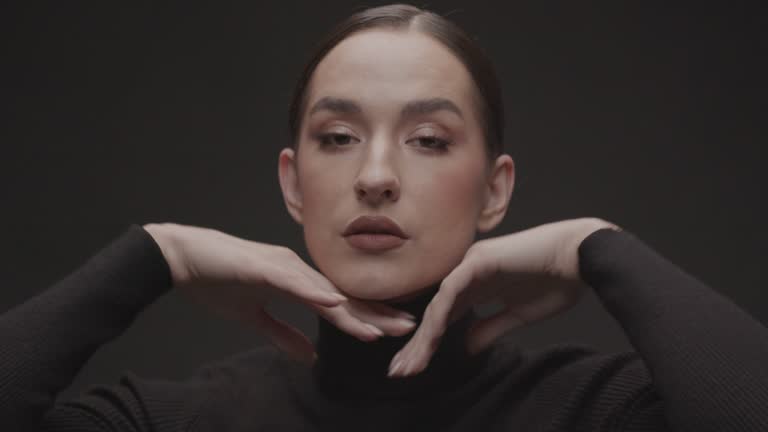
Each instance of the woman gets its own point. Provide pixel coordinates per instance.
(395, 164)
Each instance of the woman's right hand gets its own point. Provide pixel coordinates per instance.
(237, 278)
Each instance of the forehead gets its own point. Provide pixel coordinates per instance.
(377, 66)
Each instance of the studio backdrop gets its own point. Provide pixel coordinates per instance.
(649, 116)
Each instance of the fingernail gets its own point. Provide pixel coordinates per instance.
(396, 358)
(339, 297)
(375, 329)
(406, 322)
(394, 368)
(406, 315)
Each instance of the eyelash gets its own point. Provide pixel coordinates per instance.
(442, 143)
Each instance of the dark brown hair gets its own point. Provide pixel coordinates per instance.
(403, 16)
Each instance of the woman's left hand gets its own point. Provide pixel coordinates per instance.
(535, 273)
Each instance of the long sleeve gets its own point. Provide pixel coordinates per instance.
(707, 356)
(46, 340)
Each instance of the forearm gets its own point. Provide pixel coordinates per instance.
(707, 356)
(45, 341)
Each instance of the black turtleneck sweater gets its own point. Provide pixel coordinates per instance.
(699, 363)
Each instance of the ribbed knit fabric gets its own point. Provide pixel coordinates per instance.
(698, 365)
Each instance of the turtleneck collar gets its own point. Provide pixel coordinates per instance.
(347, 367)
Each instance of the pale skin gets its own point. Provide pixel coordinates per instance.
(533, 273)
(390, 127)
(369, 156)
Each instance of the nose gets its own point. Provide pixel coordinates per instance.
(377, 181)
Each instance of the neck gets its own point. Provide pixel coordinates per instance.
(349, 367)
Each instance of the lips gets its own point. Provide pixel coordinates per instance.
(374, 225)
(374, 234)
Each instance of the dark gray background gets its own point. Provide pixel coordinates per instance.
(652, 117)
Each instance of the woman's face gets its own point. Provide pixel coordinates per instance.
(391, 128)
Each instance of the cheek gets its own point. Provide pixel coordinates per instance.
(320, 186)
(322, 192)
(449, 196)
(317, 195)
(448, 205)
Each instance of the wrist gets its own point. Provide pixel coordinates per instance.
(593, 224)
(587, 227)
(164, 234)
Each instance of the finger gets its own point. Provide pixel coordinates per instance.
(302, 287)
(365, 320)
(391, 321)
(285, 337)
(295, 284)
(341, 317)
(485, 331)
(416, 354)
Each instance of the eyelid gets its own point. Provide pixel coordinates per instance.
(433, 128)
(443, 142)
(338, 129)
(432, 132)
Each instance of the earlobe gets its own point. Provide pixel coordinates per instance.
(289, 183)
(499, 188)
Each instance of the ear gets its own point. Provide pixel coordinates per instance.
(289, 183)
(501, 182)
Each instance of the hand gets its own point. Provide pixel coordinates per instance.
(238, 277)
(534, 272)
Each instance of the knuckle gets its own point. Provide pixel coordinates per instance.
(478, 251)
(327, 313)
(474, 249)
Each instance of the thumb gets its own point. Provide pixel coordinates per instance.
(484, 331)
(286, 337)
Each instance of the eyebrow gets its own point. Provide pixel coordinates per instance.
(414, 107)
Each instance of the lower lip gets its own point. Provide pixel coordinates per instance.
(374, 242)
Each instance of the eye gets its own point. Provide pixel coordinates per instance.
(432, 142)
(334, 138)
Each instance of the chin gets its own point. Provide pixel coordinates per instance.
(382, 289)
(384, 294)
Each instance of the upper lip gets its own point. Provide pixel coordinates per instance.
(374, 224)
